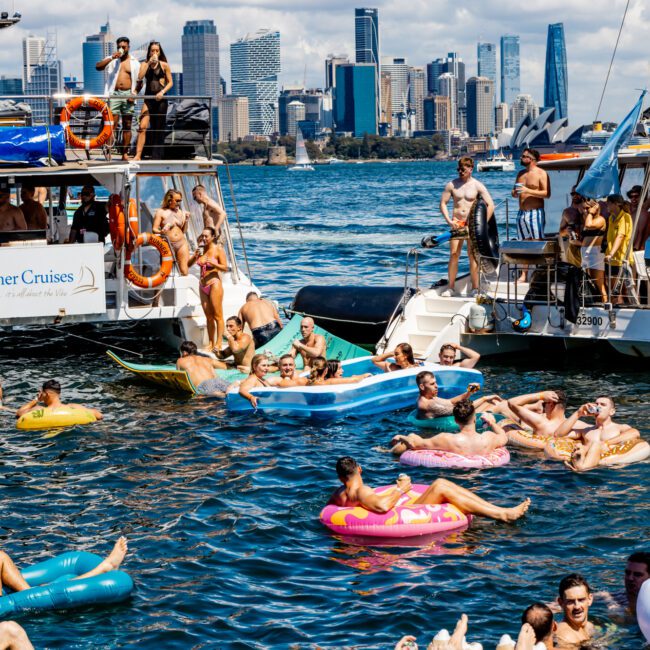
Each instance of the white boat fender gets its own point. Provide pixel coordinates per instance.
(506, 643)
(643, 609)
(480, 318)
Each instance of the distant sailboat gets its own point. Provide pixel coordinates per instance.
(303, 164)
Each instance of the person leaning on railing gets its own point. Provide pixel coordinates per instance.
(617, 256)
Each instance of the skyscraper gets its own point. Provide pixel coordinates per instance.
(33, 55)
(522, 106)
(480, 112)
(254, 69)
(417, 85)
(486, 56)
(447, 87)
(95, 48)
(510, 76)
(331, 62)
(399, 90)
(233, 118)
(295, 114)
(555, 76)
(366, 40)
(354, 99)
(453, 65)
(200, 45)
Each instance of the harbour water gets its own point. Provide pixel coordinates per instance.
(221, 512)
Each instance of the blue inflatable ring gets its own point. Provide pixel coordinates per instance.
(54, 586)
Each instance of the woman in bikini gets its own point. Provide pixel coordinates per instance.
(211, 258)
(170, 220)
(403, 355)
(330, 372)
(157, 75)
(593, 233)
(259, 368)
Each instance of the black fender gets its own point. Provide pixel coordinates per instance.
(484, 235)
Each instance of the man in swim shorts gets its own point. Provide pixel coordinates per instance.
(200, 370)
(11, 577)
(13, 637)
(354, 493)
(240, 347)
(311, 345)
(464, 190)
(288, 375)
(213, 214)
(262, 317)
(50, 396)
(447, 356)
(575, 599)
(467, 442)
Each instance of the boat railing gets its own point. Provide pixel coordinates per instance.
(186, 130)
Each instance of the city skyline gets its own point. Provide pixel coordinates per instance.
(419, 41)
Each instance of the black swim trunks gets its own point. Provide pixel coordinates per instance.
(264, 334)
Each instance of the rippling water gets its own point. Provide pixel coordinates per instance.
(222, 512)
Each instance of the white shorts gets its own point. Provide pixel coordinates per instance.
(593, 258)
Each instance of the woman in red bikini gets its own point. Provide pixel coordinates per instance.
(211, 258)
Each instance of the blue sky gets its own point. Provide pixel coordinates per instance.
(420, 30)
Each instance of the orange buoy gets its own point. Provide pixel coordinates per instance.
(116, 221)
(107, 128)
(166, 261)
(558, 156)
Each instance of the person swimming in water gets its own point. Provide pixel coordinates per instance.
(200, 370)
(403, 355)
(50, 396)
(256, 378)
(354, 493)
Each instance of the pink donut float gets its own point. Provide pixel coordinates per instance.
(439, 458)
(406, 519)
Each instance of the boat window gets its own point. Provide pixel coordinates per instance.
(150, 192)
(561, 183)
(632, 176)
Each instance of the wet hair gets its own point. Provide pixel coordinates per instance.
(286, 356)
(255, 361)
(53, 385)
(346, 467)
(448, 346)
(407, 350)
(421, 376)
(533, 152)
(463, 411)
(466, 161)
(570, 581)
(561, 397)
(609, 399)
(540, 617)
(236, 319)
(189, 347)
(123, 39)
(318, 369)
(161, 56)
(332, 368)
(169, 194)
(642, 557)
(250, 294)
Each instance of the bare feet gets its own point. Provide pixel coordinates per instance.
(512, 514)
(457, 638)
(115, 557)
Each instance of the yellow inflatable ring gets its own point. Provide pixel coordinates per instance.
(51, 417)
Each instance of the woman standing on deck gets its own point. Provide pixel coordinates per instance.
(211, 258)
(593, 232)
(172, 222)
(157, 74)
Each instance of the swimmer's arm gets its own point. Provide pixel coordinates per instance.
(461, 397)
(444, 200)
(518, 406)
(568, 425)
(222, 354)
(98, 414)
(471, 357)
(588, 459)
(499, 431)
(380, 503)
(627, 433)
(30, 406)
(483, 192)
(380, 360)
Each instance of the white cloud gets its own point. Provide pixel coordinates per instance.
(419, 30)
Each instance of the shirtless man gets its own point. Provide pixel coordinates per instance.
(122, 71)
(432, 406)
(11, 217)
(311, 345)
(200, 370)
(642, 228)
(240, 346)
(33, 211)
(467, 441)
(538, 627)
(213, 214)
(532, 187)
(637, 571)
(548, 422)
(11, 577)
(353, 493)
(50, 395)
(464, 190)
(575, 599)
(14, 637)
(447, 356)
(288, 375)
(262, 317)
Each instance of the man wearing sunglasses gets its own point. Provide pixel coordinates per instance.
(464, 190)
(89, 217)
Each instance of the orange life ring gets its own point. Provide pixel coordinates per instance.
(166, 261)
(116, 221)
(133, 229)
(107, 118)
(558, 156)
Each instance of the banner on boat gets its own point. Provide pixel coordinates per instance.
(44, 280)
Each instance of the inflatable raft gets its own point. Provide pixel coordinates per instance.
(48, 417)
(380, 393)
(54, 586)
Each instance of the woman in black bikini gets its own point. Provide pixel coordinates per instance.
(157, 73)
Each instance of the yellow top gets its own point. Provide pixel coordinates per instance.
(621, 224)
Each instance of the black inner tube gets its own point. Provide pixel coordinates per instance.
(484, 235)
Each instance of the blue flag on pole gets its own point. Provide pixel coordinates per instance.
(601, 179)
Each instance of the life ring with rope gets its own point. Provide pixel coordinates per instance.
(166, 262)
(99, 105)
(123, 231)
(484, 235)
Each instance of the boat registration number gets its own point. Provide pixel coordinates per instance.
(590, 321)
